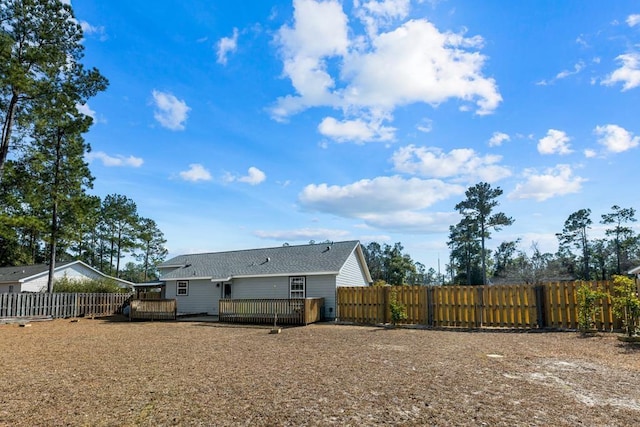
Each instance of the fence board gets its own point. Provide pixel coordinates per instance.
(553, 305)
(61, 305)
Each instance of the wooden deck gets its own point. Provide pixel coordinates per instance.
(295, 311)
(155, 309)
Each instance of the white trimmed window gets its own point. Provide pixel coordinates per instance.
(182, 287)
(297, 287)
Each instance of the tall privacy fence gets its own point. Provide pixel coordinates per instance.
(551, 305)
(60, 305)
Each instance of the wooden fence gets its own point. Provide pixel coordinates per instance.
(153, 309)
(61, 305)
(295, 311)
(552, 305)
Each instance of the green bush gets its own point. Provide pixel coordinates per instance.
(398, 310)
(587, 298)
(106, 286)
(626, 303)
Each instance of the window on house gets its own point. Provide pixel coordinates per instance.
(10, 289)
(182, 287)
(297, 287)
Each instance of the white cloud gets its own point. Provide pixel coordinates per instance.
(417, 63)
(412, 221)
(170, 112)
(374, 14)
(582, 41)
(566, 73)
(195, 173)
(304, 234)
(633, 20)
(355, 130)
(498, 138)
(615, 138)
(117, 160)
(384, 8)
(382, 194)
(86, 110)
(227, 45)
(319, 33)
(425, 125)
(589, 153)
(562, 74)
(88, 29)
(628, 73)
(373, 74)
(461, 162)
(392, 203)
(553, 182)
(254, 177)
(556, 142)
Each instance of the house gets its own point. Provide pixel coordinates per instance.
(199, 281)
(635, 272)
(34, 278)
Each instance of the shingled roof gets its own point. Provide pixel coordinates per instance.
(321, 258)
(14, 274)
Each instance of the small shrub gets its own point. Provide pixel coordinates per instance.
(106, 286)
(398, 310)
(626, 304)
(587, 298)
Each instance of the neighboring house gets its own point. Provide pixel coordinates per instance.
(635, 272)
(34, 278)
(199, 281)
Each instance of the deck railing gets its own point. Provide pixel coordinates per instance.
(153, 309)
(294, 311)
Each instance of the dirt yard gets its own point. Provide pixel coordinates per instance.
(114, 373)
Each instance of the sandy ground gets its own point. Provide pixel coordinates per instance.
(105, 372)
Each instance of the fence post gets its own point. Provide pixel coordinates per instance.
(540, 308)
(385, 299)
(480, 307)
(430, 305)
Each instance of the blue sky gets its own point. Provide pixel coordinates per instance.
(249, 124)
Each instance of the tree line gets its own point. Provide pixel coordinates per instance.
(579, 257)
(46, 212)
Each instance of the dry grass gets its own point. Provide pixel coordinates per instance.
(103, 372)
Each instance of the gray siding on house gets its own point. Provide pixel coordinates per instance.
(6, 288)
(352, 273)
(323, 287)
(203, 297)
(264, 274)
(260, 287)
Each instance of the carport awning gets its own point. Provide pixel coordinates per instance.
(148, 285)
